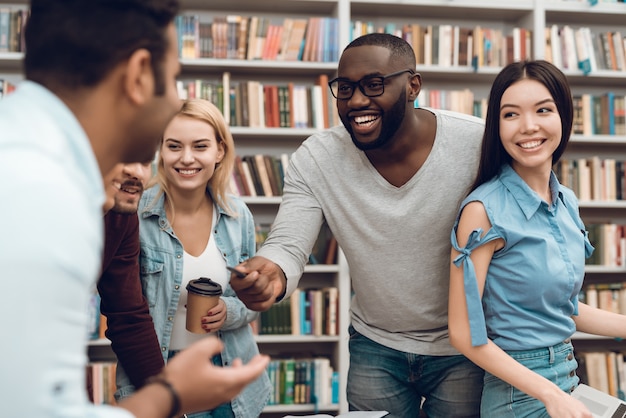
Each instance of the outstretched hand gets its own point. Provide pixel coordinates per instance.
(199, 384)
(264, 283)
(203, 386)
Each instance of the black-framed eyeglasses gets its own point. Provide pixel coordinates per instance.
(371, 86)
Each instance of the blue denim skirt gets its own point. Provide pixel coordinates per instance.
(556, 363)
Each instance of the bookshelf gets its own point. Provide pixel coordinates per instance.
(532, 16)
(596, 355)
(507, 18)
(274, 141)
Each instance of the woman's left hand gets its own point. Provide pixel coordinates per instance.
(215, 317)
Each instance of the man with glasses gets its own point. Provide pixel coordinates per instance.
(388, 183)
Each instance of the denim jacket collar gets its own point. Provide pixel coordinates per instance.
(156, 205)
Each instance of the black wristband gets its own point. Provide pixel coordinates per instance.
(160, 380)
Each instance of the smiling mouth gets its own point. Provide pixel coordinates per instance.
(366, 120)
(130, 187)
(188, 172)
(531, 144)
(130, 191)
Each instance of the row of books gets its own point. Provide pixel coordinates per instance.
(594, 178)
(463, 101)
(12, 22)
(259, 175)
(602, 114)
(324, 252)
(101, 382)
(315, 39)
(609, 241)
(294, 381)
(603, 370)
(610, 297)
(303, 381)
(267, 105)
(586, 50)
(314, 381)
(258, 38)
(306, 312)
(453, 45)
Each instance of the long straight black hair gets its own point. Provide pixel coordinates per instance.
(493, 155)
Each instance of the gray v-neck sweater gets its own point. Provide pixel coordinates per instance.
(396, 239)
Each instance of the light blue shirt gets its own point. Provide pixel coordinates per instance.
(51, 197)
(161, 262)
(532, 285)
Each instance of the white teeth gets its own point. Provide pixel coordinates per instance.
(365, 119)
(188, 172)
(531, 144)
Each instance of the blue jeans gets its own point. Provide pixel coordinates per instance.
(556, 363)
(222, 411)
(381, 378)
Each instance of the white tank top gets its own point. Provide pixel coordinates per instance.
(209, 264)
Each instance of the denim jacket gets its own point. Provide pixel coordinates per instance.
(161, 263)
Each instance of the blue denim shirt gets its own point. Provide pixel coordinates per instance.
(161, 263)
(532, 285)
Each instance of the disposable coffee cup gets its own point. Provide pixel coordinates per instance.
(202, 295)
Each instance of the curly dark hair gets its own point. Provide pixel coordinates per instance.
(400, 49)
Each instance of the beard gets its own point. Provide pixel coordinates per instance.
(128, 204)
(126, 207)
(391, 121)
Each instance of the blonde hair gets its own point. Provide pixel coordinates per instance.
(219, 183)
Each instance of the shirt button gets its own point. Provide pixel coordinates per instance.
(177, 255)
(177, 287)
(163, 349)
(224, 254)
(572, 373)
(169, 318)
(570, 356)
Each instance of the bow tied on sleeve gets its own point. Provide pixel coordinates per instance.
(475, 311)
